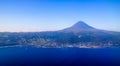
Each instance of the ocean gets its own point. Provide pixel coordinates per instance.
(33, 56)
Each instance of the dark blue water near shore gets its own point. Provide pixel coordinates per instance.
(32, 56)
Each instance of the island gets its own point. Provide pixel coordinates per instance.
(79, 35)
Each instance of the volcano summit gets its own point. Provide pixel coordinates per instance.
(78, 27)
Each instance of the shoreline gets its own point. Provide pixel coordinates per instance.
(55, 47)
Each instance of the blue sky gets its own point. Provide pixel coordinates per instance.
(50, 15)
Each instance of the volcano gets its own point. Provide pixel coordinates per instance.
(79, 27)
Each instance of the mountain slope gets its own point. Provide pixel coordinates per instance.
(79, 27)
(88, 34)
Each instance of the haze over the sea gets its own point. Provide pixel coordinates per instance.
(50, 15)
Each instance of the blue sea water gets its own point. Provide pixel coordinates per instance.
(32, 56)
